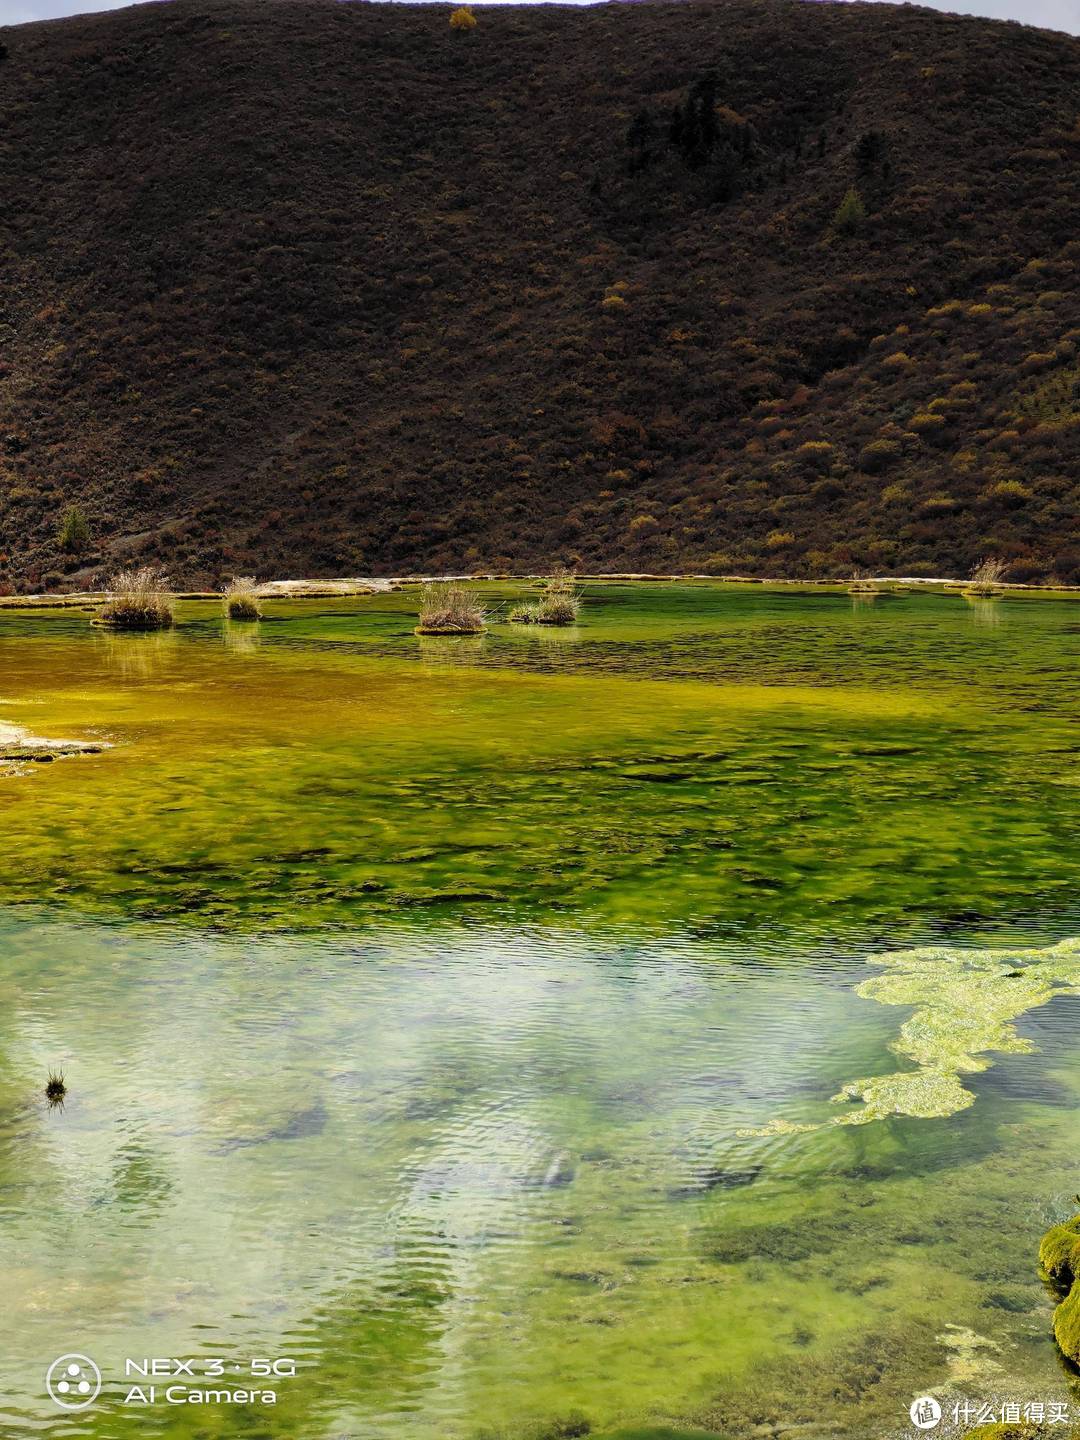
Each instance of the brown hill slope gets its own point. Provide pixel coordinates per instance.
(307, 286)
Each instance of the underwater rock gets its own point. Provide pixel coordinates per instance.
(298, 1126)
(716, 1179)
(1059, 1256)
(560, 1172)
(968, 1355)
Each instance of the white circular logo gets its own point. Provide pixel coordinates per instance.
(73, 1382)
(925, 1413)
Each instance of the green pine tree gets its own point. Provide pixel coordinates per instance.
(850, 213)
(74, 535)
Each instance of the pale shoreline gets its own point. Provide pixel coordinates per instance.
(329, 588)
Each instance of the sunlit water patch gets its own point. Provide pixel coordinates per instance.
(419, 1164)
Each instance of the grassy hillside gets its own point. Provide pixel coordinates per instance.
(303, 286)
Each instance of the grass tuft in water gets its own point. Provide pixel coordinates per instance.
(137, 599)
(55, 1087)
(559, 609)
(241, 598)
(559, 604)
(450, 610)
(986, 578)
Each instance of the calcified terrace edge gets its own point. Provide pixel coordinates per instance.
(374, 585)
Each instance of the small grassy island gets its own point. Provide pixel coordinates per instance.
(241, 599)
(448, 609)
(137, 599)
(559, 605)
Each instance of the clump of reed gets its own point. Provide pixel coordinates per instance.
(447, 609)
(241, 598)
(137, 599)
(561, 601)
(558, 609)
(986, 578)
(860, 584)
(55, 1087)
(559, 604)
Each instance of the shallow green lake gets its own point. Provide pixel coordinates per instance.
(459, 1019)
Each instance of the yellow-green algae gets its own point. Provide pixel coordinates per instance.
(965, 1004)
(693, 753)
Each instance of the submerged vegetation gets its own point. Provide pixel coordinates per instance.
(449, 609)
(965, 1004)
(137, 599)
(241, 599)
(570, 925)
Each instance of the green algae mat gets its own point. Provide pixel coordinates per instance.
(658, 1027)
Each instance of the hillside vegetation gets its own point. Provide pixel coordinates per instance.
(310, 287)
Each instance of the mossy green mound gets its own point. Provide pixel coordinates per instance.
(1059, 1255)
(1067, 1326)
(1059, 1252)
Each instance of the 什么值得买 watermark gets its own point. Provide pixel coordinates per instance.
(927, 1412)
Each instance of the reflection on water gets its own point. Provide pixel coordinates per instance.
(241, 636)
(415, 998)
(442, 650)
(985, 612)
(134, 656)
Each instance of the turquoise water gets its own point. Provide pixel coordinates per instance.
(418, 1003)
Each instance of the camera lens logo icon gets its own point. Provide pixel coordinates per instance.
(73, 1382)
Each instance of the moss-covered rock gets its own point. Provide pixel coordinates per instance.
(1059, 1252)
(1067, 1325)
(1059, 1255)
